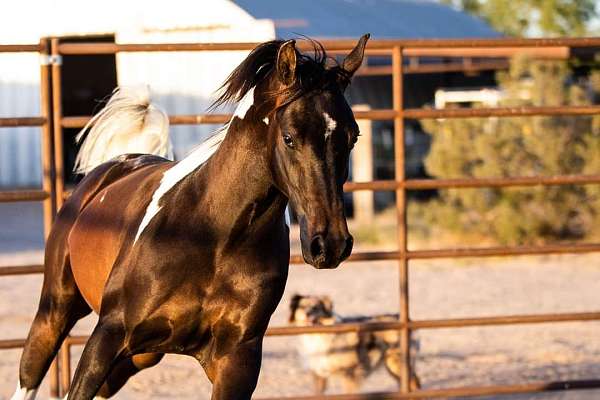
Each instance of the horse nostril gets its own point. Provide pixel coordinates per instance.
(348, 247)
(317, 246)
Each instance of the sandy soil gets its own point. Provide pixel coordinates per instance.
(439, 289)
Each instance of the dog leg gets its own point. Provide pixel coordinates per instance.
(320, 383)
(350, 383)
(415, 382)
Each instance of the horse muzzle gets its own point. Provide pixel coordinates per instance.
(327, 251)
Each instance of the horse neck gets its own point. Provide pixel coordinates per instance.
(236, 181)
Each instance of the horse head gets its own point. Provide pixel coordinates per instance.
(311, 130)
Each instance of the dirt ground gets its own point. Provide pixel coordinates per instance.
(439, 289)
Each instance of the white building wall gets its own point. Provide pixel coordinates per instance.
(182, 83)
(185, 82)
(20, 148)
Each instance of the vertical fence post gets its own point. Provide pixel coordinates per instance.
(65, 350)
(399, 156)
(57, 122)
(64, 356)
(48, 171)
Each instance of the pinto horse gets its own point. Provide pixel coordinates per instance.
(192, 257)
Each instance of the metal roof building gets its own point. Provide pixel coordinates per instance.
(384, 19)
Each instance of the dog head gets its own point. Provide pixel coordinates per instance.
(311, 310)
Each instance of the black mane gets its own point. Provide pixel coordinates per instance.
(312, 73)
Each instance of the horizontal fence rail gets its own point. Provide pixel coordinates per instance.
(461, 392)
(22, 122)
(384, 115)
(427, 184)
(332, 45)
(22, 48)
(21, 270)
(23, 195)
(52, 122)
(413, 324)
(469, 252)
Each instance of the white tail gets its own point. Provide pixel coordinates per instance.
(128, 123)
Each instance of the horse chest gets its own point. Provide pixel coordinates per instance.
(200, 306)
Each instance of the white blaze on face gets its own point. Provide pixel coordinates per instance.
(23, 393)
(190, 163)
(330, 125)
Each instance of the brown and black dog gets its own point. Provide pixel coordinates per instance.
(348, 357)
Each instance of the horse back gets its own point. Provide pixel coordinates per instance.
(97, 220)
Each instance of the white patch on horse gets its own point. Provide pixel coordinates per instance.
(266, 120)
(244, 105)
(330, 125)
(190, 163)
(23, 393)
(288, 220)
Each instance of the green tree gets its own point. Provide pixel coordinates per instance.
(523, 146)
(542, 17)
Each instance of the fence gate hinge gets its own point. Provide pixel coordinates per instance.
(48, 59)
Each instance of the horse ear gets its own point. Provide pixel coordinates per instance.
(286, 62)
(354, 60)
(328, 303)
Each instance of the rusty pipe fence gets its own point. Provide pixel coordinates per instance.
(53, 193)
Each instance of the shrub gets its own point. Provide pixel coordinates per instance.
(519, 146)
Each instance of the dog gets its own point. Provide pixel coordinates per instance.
(350, 356)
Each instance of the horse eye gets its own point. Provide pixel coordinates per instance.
(287, 139)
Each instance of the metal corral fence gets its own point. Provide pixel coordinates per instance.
(53, 193)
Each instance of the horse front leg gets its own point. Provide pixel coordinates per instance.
(235, 374)
(102, 352)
